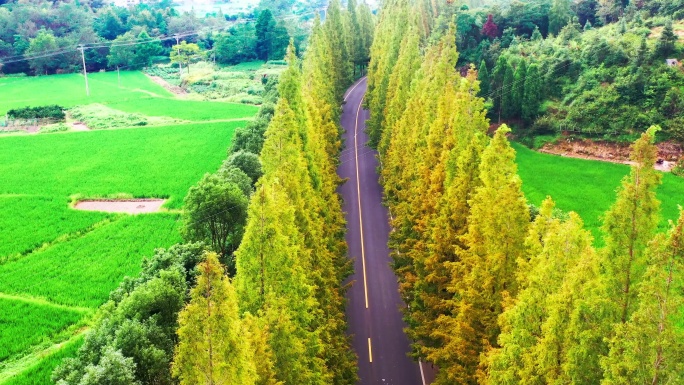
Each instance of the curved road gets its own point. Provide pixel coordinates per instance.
(373, 308)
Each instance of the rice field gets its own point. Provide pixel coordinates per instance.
(27, 323)
(69, 90)
(587, 187)
(58, 264)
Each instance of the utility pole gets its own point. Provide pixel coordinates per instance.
(85, 73)
(180, 65)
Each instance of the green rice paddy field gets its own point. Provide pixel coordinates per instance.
(58, 264)
(587, 187)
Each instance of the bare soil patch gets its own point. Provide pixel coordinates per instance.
(668, 152)
(79, 126)
(170, 87)
(128, 206)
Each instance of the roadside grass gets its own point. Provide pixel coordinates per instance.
(40, 373)
(587, 187)
(25, 324)
(83, 271)
(150, 162)
(69, 90)
(34, 220)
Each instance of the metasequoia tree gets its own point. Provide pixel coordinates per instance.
(211, 347)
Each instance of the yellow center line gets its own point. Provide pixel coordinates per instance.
(370, 351)
(358, 193)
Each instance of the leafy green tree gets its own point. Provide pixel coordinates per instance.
(182, 53)
(665, 45)
(248, 162)
(216, 211)
(559, 16)
(536, 34)
(518, 89)
(122, 53)
(147, 49)
(236, 46)
(113, 369)
(41, 45)
(234, 175)
(498, 84)
(212, 348)
(108, 24)
(139, 321)
(483, 77)
(508, 102)
(532, 97)
(265, 25)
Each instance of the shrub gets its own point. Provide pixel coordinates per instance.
(54, 112)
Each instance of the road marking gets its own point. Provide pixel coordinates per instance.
(422, 375)
(370, 352)
(358, 193)
(353, 88)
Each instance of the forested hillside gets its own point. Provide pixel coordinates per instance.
(43, 37)
(498, 293)
(580, 58)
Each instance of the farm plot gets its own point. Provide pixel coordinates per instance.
(24, 324)
(34, 220)
(154, 162)
(59, 264)
(187, 109)
(41, 372)
(69, 90)
(82, 272)
(585, 186)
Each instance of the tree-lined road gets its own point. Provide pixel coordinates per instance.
(374, 303)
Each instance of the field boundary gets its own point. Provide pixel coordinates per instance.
(11, 368)
(61, 239)
(43, 302)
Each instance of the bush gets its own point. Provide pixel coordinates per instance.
(54, 112)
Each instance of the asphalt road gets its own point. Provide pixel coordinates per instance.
(374, 303)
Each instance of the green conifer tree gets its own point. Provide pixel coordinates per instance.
(211, 348)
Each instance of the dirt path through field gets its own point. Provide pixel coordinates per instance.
(168, 86)
(128, 206)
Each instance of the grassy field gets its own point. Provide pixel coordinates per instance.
(57, 264)
(585, 186)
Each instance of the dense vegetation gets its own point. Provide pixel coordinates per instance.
(551, 66)
(43, 38)
(496, 292)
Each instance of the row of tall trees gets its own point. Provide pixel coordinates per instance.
(287, 297)
(495, 294)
